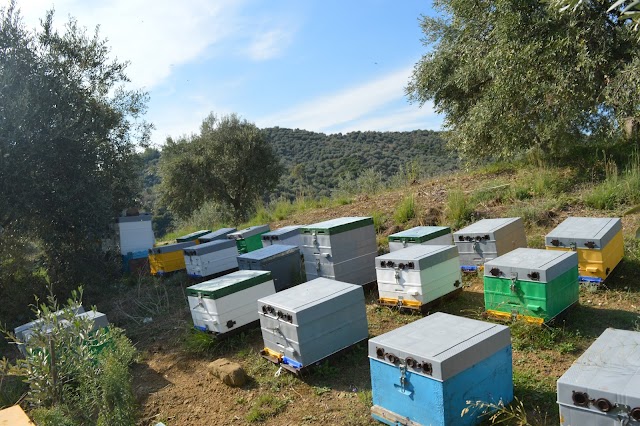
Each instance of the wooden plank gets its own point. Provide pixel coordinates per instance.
(14, 416)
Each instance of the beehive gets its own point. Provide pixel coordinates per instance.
(488, 239)
(249, 239)
(220, 234)
(193, 236)
(306, 323)
(21, 331)
(211, 258)
(534, 284)
(287, 235)
(598, 242)
(425, 372)
(226, 303)
(602, 387)
(418, 274)
(343, 249)
(168, 258)
(282, 261)
(136, 233)
(136, 262)
(426, 235)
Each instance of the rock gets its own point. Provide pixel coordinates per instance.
(230, 373)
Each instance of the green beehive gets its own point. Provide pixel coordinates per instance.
(249, 239)
(532, 284)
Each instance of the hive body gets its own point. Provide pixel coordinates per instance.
(168, 258)
(287, 235)
(249, 239)
(211, 258)
(281, 260)
(426, 235)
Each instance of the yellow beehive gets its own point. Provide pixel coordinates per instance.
(598, 242)
(169, 258)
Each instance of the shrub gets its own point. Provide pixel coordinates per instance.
(457, 209)
(406, 210)
(379, 220)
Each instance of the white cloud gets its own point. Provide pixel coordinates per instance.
(269, 44)
(397, 120)
(342, 107)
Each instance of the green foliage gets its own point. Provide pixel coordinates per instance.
(458, 210)
(379, 220)
(617, 189)
(229, 162)
(513, 76)
(498, 413)
(624, 9)
(69, 129)
(406, 210)
(265, 407)
(533, 337)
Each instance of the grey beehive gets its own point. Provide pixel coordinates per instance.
(282, 260)
(219, 234)
(531, 264)
(287, 235)
(311, 321)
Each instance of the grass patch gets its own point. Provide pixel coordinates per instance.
(265, 407)
(617, 189)
(379, 221)
(532, 337)
(458, 210)
(406, 210)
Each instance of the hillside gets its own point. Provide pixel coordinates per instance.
(172, 383)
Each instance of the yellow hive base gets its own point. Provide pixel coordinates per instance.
(411, 304)
(598, 263)
(166, 262)
(505, 316)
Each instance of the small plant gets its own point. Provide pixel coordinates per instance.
(498, 413)
(457, 210)
(321, 390)
(406, 210)
(198, 342)
(379, 220)
(265, 407)
(366, 398)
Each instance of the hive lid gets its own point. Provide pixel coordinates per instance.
(420, 256)
(216, 235)
(487, 226)
(229, 284)
(309, 294)
(582, 231)
(168, 248)
(248, 232)
(266, 253)
(531, 264)
(192, 236)
(336, 226)
(282, 233)
(145, 217)
(420, 234)
(609, 368)
(209, 247)
(442, 345)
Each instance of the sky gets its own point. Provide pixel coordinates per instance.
(321, 65)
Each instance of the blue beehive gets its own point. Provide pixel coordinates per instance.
(425, 372)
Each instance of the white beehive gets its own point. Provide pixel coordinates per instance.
(287, 235)
(226, 303)
(418, 274)
(211, 258)
(427, 235)
(136, 233)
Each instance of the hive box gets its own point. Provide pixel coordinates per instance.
(168, 258)
(22, 330)
(306, 323)
(210, 258)
(343, 249)
(425, 372)
(488, 239)
(220, 234)
(193, 236)
(136, 262)
(249, 239)
(417, 275)
(536, 285)
(598, 242)
(136, 233)
(602, 387)
(282, 261)
(287, 235)
(226, 303)
(427, 235)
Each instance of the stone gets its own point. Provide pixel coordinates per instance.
(230, 373)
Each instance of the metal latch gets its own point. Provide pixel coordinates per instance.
(573, 247)
(396, 275)
(514, 279)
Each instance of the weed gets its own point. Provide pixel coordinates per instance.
(198, 342)
(265, 407)
(325, 370)
(366, 398)
(321, 390)
(406, 210)
(498, 413)
(457, 209)
(379, 220)
(532, 337)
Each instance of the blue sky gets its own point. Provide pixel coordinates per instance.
(328, 66)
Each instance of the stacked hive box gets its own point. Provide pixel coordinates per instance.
(488, 239)
(136, 238)
(343, 249)
(287, 235)
(193, 236)
(598, 242)
(426, 235)
(169, 258)
(211, 258)
(536, 285)
(228, 302)
(417, 275)
(282, 261)
(220, 234)
(21, 331)
(602, 387)
(306, 323)
(425, 372)
(249, 239)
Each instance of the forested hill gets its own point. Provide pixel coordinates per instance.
(315, 162)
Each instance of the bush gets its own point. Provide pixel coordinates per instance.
(379, 220)
(406, 210)
(457, 211)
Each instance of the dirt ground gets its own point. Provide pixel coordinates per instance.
(173, 386)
